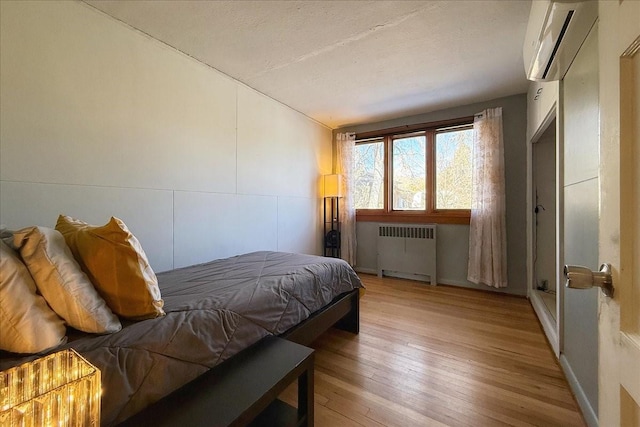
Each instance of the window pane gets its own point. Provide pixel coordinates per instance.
(409, 173)
(369, 175)
(453, 169)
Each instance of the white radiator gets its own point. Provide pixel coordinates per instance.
(407, 249)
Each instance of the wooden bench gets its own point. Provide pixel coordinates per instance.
(241, 391)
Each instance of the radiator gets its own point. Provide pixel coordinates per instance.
(407, 249)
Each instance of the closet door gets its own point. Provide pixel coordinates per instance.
(579, 353)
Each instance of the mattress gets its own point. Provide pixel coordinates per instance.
(214, 310)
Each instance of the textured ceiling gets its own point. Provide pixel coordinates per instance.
(348, 62)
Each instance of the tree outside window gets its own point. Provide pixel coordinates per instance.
(369, 175)
(409, 173)
(424, 175)
(453, 169)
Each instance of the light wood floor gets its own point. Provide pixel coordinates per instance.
(439, 356)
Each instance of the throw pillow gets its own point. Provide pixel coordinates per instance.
(117, 266)
(28, 324)
(63, 284)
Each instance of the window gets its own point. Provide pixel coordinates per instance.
(453, 169)
(409, 173)
(369, 174)
(420, 174)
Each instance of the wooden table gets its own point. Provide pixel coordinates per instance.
(241, 391)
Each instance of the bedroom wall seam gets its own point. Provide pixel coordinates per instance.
(173, 229)
(71, 184)
(236, 134)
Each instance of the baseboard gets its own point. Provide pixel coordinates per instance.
(586, 408)
(547, 321)
(408, 276)
(441, 280)
(416, 277)
(365, 270)
(453, 282)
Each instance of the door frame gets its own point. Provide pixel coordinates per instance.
(552, 328)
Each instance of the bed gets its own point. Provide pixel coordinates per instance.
(213, 311)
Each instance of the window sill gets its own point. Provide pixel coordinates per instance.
(415, 217)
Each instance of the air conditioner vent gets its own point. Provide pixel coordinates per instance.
(563, 31)
(556, 30)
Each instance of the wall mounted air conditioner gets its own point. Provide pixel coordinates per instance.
(555, 32)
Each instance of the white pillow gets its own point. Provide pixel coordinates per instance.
(61, 281)
(28, 324)
(6, 236)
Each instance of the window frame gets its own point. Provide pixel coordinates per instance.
(430, 214)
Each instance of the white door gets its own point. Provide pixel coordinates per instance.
(619, 224)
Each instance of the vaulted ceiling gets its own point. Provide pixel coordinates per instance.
(348, 62)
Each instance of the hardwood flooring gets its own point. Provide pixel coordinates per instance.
(442, 356)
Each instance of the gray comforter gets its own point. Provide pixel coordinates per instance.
(214, 310)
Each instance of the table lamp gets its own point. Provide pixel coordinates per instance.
(60, 389)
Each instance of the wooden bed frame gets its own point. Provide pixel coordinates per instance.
(343, 312)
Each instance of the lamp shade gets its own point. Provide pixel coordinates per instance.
(332, 185)
(61, 389)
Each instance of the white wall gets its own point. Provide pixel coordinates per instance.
(98, 119)
(453, 240)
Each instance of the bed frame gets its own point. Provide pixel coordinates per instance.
(343, 312)
(200, 398)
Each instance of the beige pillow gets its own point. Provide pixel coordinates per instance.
(60, 280)
(116, 265)
(28, 325)
(6, 236)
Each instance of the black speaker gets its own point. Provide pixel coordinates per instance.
(332, 239)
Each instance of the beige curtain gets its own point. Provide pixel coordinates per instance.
(345, 147)
(487, 232)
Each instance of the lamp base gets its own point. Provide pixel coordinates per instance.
(331, 244)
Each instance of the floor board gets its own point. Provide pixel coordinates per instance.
(439, 356)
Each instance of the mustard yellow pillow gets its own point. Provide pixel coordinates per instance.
(62, 283)
(117, 266)
(27, 324)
